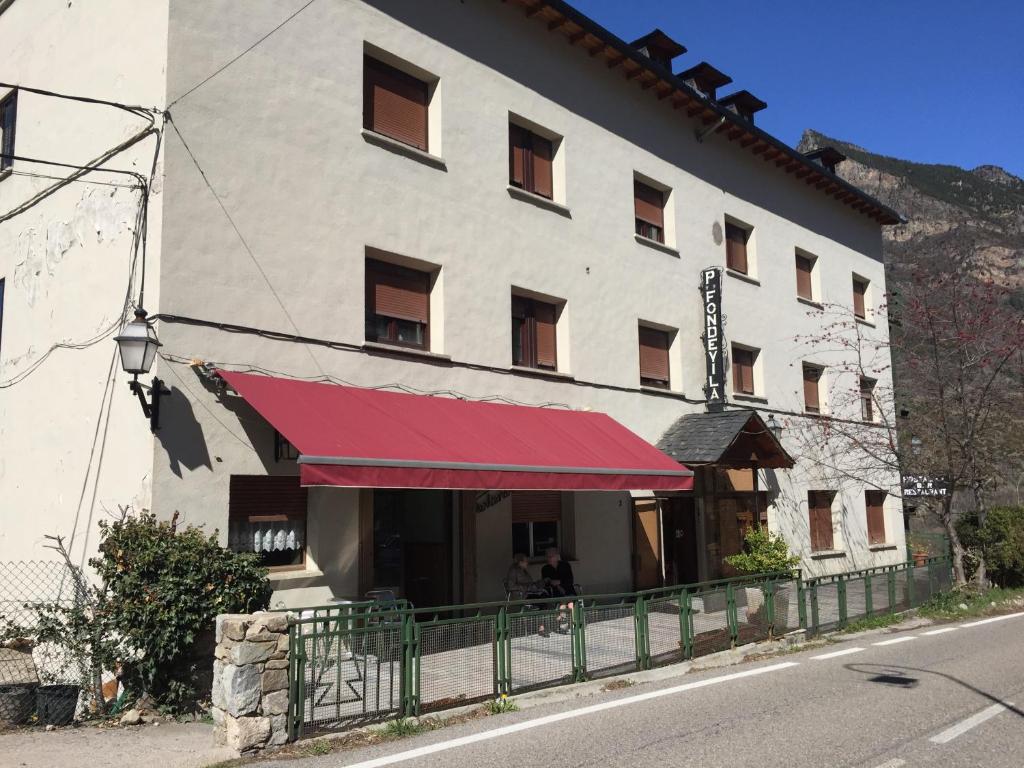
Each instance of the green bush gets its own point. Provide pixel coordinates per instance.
(763, 552)
(1001, 538)
(163, 589)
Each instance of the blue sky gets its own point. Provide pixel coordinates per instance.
(936, 81)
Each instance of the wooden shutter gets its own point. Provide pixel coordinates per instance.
(819, 505)
(266, 496)
(653, 355)
(544, 316)
(859, 290)
(803, 277)
(736, 248)
(536, 506)
(518, 151)
(649, 204)
(812, 379)
(8, 121)
(542, 155)
(874, 502)
(397, 292)
(742, 371)
(394, 103)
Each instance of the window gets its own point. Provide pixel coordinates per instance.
(536, 522)
(812, 388)
(649, 210)
(397, 304)
(860, 292)
(819, 506)
(804, 271)
(284, 450)
(530, 161)
(267, 515)
(8, 118)
(394, 103)
(654, 368)
(867, 399)
(736, 238)
(743, 370)
(874, 502)
(533, 333)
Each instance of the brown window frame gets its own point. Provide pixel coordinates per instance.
(295, 508)
(525, 319)
(533, 507)
(739, 377)
(8, 126)
(538, 161)
(860, 297)
(649, 211)
(819, 517)
(411, 93)
(812, 375)
(737, 240)
(867, 402)
(874, 509)
(805, 277)
(655, 373)
(375, 269)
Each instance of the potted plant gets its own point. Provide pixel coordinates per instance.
(919, 550)
(764, 552)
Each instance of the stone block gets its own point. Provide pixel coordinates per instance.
(275, 680)
(282, 644)
(251, 653)
(231, 626)
(278, 731)
(275, 703)
(276, 664)
(272, 622)
(241, 687)
(217, 692)
(261, 636)
(246, 734)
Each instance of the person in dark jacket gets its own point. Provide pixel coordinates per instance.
(559, 582)
(520, 585)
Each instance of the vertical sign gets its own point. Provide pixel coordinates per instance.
(714, 356)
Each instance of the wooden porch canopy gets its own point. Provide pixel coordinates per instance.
(727, 439)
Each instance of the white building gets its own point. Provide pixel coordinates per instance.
(496, 199)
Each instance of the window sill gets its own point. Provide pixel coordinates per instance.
(538, 200)
(648, 242)
(541, 372)
(279, 576)
(5, 173)
(750, 398)
(393, 145)
(864, 321)
(810, 302)
(375, 347)
(882, 547)
(825, 554)
(662, 391)
(743, 277)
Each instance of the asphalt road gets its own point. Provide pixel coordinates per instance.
(928, 697)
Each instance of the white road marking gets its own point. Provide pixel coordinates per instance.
(940, 631)
(834, 654)
(994, 618)
(896, 762)
(430, 749)
(905, 639)
(971, 722)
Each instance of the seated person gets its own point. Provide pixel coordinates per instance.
(518, 581)
(557, 575)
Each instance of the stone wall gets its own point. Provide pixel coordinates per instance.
(250, 680)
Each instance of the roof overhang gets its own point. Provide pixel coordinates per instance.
(726, 439)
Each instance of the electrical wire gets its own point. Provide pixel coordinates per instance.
(133, 109)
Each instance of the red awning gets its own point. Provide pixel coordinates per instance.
(367, 438)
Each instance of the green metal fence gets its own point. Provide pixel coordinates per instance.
(364, 662)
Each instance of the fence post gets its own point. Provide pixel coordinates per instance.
(891, 584)
(730, 614)
(801, 596)
(686, 623)
(841, 592)
(500, 660)
(869, 599)
(579, 637)
(911, 597)
(815, 618)
(769, 606)
(640, 634)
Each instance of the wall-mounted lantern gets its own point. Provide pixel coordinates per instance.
(137, 345)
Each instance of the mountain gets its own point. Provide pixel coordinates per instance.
(944, 205)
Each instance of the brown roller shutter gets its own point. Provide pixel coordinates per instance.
(536, 506)
(542, 154)
(860, 288)
(819, 504)
(266, 496)
(518, 151)
(742, 371)
(544, 315)
(874, 502)
(736, 248)
(803, 277)
(653, 355)
(394, 103)
(397, 292)
(649, 204)
(812, 378)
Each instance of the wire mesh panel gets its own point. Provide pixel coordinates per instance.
(457, 661)
(540, 647)
(828, 606)
(880, 593)
(902, 591)
(856, 603)
(26, 586)
(710, 621)
(787, 607)
(352, 671)
(610, 633)
(922, 586)
(752, 620)
(944, 572)
(663, 629)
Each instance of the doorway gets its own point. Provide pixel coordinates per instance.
(679, 532)
(412, 545)
(646, 544)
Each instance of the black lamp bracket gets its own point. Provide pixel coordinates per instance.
(150, 405)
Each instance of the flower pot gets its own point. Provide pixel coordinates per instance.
(920, 558)
(17, 704)
(56, 704)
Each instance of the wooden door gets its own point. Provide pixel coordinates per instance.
(646, 544)
(680, 537)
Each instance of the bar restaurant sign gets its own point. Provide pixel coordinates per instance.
(711, 296)
(921, 486)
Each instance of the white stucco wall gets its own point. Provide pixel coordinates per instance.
(73, 442)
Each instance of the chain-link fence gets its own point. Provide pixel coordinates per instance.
(33, 672)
